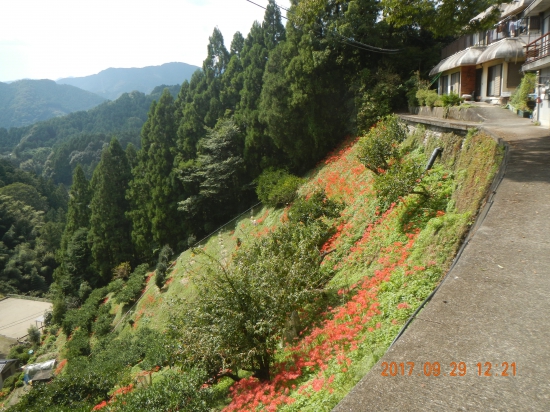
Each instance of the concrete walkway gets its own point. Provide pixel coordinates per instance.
(494, 306)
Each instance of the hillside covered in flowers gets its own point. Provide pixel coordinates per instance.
(283, 308)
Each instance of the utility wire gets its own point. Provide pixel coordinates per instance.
(265, 8)
(368, 47)
(346, 40)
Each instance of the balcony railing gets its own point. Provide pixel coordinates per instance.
(537, 49)
(510, 28)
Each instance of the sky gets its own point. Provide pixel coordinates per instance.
(52, 39)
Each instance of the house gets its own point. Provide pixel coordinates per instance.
(537, 59)
(488, 65)
(7, 368)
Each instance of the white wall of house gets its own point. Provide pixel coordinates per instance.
(544, 107)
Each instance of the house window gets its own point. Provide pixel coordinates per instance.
(455, 82)
(514, 75)
(534, 23)
(444, 85)
(494, 76)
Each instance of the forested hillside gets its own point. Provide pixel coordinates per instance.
(25, 102)
(271, 103)
(32, 218)
(111, 83)
(55, 147)
(289, 305)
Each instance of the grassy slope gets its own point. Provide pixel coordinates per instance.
(384, 264)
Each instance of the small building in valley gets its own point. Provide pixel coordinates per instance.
(7, 368)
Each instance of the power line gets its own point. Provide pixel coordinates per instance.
(346, 40)
(265, 8)
(364, 46)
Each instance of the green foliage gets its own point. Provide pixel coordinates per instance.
(239, 313)
(26, 194)
(109, 228)
(277, 187)
(34, 335)
(9, 383)
(520, 97)
(428, 97)
(26, 248)
(89, 380)
(59, 310)
(399, 180)
(83, 317)
(21, 353)
(132, 290)
(78, 344)
(179, 391)
(317, 206)
(78, 214)
(380, 147)
(451, 99)
(443, 18)
(216, 181)
(377, 98)
(162, 265)
(27, 101)
(102, 325)
(154, 189)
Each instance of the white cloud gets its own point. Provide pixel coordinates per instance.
(61, 38)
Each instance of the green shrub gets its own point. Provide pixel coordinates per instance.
(399, 180)
(316, 206)
(162, 265)
(277, 187)
(427, 97)
(520, 97)
(102, 325)
(115, 285)
(9, 383)
(84, 291)
(21, 353)
(132, 290)
(175, 392)
(34, 335)
(451, 99)
(85, 315)
(79, 344)
(380, 146)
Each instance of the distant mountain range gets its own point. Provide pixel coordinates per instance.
(25, 102)
(111, 83)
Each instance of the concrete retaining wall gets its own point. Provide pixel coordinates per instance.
(456, 113)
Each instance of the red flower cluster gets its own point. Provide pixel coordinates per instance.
(61, 366)
(120, 391)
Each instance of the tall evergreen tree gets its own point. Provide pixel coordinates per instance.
(110, 230)
(260, 152)
(203, 93)
(154, 191)
(78, 215)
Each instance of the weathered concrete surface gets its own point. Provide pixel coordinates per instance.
(493, 307)
(16, 315)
